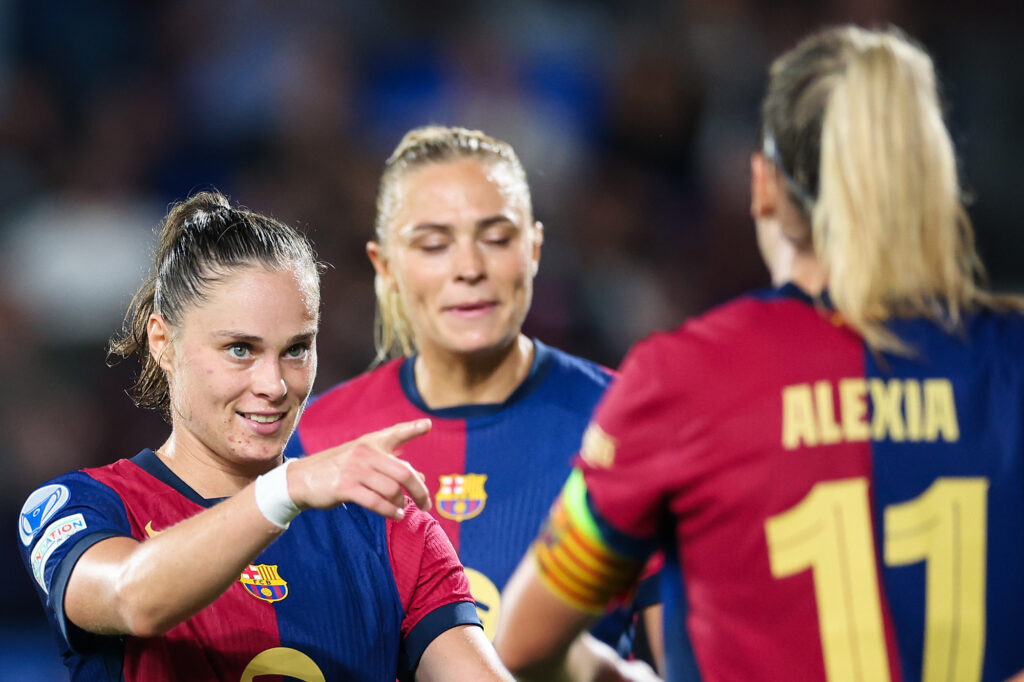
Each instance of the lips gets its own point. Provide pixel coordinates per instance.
(471, 308)
(263, 418)
(264, 423)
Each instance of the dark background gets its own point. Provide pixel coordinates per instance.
(635, 120)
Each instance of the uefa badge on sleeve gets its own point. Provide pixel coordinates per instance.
(264, 582)
(40, 508)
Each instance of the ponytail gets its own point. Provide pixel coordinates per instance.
(860, 130)
(889, 224)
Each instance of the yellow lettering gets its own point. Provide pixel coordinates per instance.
(886, 416)
(829, 429)
(853, 408)
(940, 411)
(798, 417)
(912, 408)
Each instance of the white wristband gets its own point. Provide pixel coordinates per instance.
(272, 496)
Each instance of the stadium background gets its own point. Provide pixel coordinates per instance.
(635, 120)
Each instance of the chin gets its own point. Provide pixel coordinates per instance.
(481, 346)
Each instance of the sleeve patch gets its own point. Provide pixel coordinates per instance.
(40, 507)
(598, 447)
(56, 534)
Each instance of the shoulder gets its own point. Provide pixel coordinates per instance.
(751, 328)
(573, 367)
(999, 329)
(380, 382)
(354, 407)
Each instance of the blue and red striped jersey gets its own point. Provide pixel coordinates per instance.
(828, 513)
(341, 594)
(492, 470)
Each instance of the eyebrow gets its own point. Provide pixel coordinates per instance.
(481, 224)
(249, 338)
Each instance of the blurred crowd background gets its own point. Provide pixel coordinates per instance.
(635, 120)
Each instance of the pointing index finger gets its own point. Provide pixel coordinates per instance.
(390, 438)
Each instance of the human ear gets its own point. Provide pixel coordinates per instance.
(381, 263)
(538, 242)
(764, 187)
(158, 335)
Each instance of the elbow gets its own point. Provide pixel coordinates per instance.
(143, 620)
(140, 614)
(147, 625)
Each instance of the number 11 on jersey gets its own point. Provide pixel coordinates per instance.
(829, 532)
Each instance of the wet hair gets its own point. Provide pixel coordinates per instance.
(202, 241)
(853, 122)
(418, 148)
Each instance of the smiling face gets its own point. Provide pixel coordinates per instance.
(462, 253)
(240, 366)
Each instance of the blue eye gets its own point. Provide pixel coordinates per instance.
(297, 351)
(239, 351)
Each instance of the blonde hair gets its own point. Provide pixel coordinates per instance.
(419, 147)
(854, 119)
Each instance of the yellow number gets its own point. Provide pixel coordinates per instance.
(283, 661)
(946, 528)
(488, 600)
(829, 531)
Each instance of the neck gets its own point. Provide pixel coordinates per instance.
(447, 380)
(210, 476)
(808, 273)
(790, 255)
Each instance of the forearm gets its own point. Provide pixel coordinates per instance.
(536, 628)
(127, 587)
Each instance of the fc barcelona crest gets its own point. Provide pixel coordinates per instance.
(461, 496)
(264, 582)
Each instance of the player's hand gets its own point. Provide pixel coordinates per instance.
(365, 471)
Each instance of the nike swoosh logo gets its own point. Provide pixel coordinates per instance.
(150, 532)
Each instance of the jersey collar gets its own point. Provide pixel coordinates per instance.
(542, 359)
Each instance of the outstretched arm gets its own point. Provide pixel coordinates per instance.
(120, 585)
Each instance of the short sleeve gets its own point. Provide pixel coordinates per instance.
(432, 585)
(57, 524)
(623, 458)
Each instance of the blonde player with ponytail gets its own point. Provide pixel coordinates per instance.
(834, 466)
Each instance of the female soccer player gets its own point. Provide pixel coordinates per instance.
(196, 561)
(456, 252)
(834, 467)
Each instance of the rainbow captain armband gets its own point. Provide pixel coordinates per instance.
(574, 560)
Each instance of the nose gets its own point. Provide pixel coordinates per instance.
(469, 262)
(267, 380)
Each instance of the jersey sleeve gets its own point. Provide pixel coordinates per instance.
(625, 458)
(57, 524)
(431, 583)
(605, 524)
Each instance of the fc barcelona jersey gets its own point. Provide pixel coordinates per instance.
(828, 513)
(343, 594)
(492, 470)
